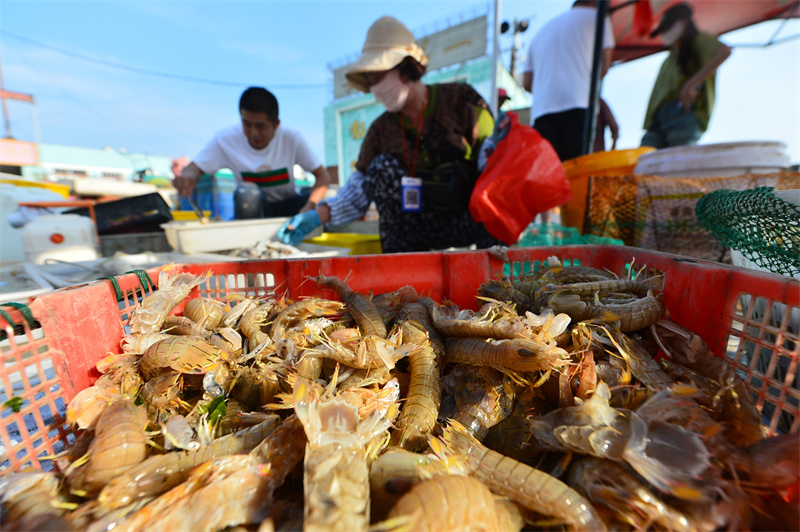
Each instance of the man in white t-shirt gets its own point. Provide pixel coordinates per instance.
(261, 153)
(557, 72)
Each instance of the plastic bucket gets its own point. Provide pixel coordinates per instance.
(579, 169)
(358, 244)
(214, 195)
(715, 160)
(224, 205)
(224, 187)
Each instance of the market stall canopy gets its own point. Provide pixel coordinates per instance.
(633, 20)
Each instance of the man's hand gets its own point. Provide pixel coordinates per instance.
(186, 181)
(185, 185)
(293, 231)
(688, 96)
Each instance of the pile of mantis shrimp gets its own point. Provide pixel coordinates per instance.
(566, 401)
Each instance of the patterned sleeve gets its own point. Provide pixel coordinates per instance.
(351, 202)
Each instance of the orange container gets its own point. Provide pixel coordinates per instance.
(579, 169)
(52, 356)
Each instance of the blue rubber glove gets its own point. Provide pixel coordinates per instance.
(293, 231)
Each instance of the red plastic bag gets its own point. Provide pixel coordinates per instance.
(523, 177)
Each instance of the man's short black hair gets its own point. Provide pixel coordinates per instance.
(259, 100)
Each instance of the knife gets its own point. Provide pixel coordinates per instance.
(200, 215)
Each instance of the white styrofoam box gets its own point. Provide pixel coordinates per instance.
(194, 237)
(66, 237)
(725, 159)
(12, 248)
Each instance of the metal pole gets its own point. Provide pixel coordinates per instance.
(495, 58)
(6, 117)
(590, 123)
(513, 48)
(37, 132)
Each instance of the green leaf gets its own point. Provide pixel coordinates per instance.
(219, 410)
(211, 405)
(15, 404)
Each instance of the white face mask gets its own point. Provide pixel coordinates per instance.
(671, 35)
(391, 91)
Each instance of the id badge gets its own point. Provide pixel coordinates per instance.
(412, 194)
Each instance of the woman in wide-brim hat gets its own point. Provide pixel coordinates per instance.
(418, 161)
(683, 96)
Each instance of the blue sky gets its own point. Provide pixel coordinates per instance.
(286, 47)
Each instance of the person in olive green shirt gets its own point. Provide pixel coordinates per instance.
(683, 96)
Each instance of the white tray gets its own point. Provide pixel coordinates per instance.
(193, 237)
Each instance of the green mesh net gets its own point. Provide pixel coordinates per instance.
(757, 223)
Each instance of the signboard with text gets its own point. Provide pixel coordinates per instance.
(18, 153)
(456, 44)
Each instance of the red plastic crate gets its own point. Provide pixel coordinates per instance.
(747, 317)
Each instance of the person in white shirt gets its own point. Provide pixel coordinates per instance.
(557, 72)
(262, 154)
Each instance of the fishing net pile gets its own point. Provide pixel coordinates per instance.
(660, 213)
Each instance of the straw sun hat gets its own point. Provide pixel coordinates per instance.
(388, 43)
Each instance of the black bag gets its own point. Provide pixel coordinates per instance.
(448, 187)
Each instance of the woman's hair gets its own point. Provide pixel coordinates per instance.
(686, 47)
(260, 100)
(410, 69)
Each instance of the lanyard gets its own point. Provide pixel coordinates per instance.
(413, 162)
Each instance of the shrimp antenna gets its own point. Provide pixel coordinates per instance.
(308, 278)
(277, 286)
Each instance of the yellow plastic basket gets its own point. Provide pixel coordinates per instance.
(182, 216)
(357, 243)
(579, 169)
